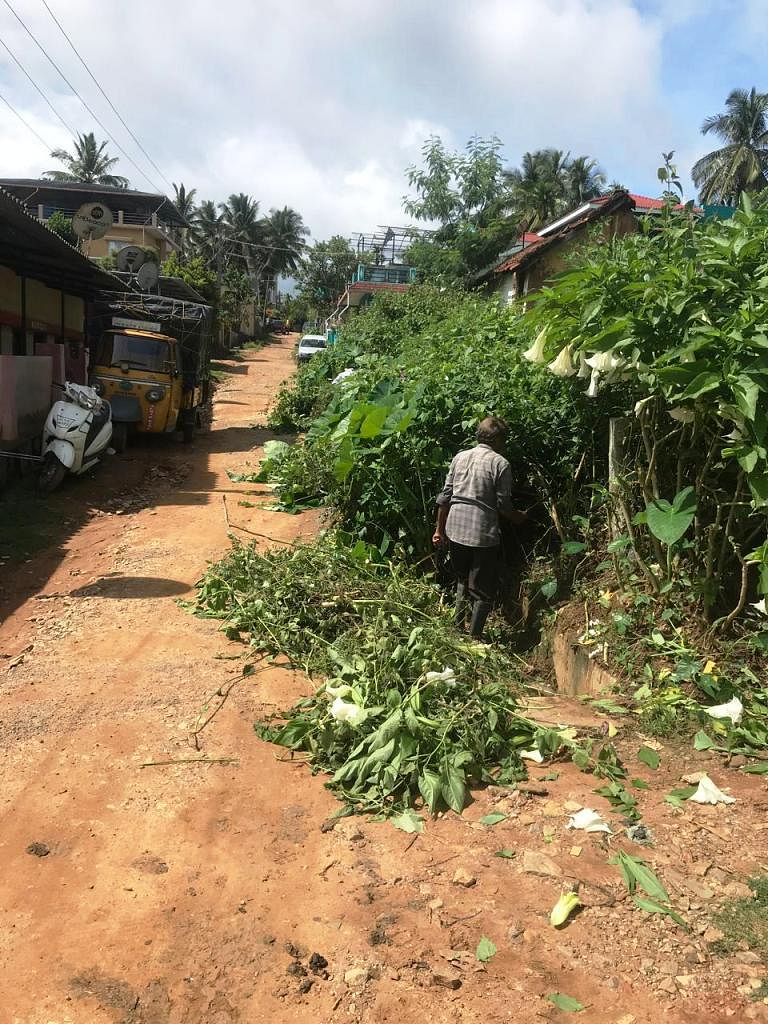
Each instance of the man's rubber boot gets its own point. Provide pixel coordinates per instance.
(462, 606)
(480, 613)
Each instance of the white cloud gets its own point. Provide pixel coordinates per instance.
(322, 106)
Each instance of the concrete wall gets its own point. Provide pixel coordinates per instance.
(10, 297)
(131, 234)
(49, 349)
(43, 307)
(74, 317)
(25, 396)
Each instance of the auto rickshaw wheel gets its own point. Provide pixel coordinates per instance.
(119, 437)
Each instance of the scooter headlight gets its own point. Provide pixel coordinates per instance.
(98, 387)
(155, 394)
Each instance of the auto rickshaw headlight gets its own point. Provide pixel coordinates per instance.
(155, 394)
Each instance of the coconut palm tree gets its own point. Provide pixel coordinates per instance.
(741, 165)
(184, 200)
(209, 232)
(536, 189)
(285, 230)
(89, 163)
(549, 183)
(241, 219)
(583, 179)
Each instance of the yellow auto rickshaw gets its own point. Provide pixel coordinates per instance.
(153, 372)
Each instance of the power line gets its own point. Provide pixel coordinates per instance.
(98, 121)
(24, 122)
(272, 248)
(101, 90)
(24, 71)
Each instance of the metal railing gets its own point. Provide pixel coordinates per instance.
(146, 220)
(397, 274)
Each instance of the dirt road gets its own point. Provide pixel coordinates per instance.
(133, 891)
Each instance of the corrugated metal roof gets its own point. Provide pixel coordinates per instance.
(36, 190)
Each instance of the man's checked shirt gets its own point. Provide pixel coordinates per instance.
(477, 488)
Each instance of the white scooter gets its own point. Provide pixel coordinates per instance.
(77, 433)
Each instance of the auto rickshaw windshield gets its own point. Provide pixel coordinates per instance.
(140, 353)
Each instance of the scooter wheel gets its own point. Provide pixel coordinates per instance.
(51, 475)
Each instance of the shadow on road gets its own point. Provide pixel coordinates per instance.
(156, 471)
(117, 586)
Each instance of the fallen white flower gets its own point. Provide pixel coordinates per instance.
(589, 821)
(708, 793)
(345, 711)
(349, 372)
(443, 677)
(535, 354)
(733, 709)
(682, 415)
(532, 755)
(759, 606)
(562, 365)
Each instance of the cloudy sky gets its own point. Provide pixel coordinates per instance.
(322, 104)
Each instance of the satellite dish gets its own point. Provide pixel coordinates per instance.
(130, 258)
(147, 276)
(92, 220)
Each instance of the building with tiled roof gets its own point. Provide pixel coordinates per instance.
(540, 255)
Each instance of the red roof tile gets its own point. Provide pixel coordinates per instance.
(646, 203)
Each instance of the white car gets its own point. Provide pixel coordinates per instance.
(309, 346)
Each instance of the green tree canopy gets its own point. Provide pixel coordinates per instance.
(465, 194)
(325, 270)
(195, 272)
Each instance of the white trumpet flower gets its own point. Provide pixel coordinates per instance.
(639, 406)
(532, 755)
(562, 364)
(584, 369)
(603, 362)
(535, 354)
(594, 385)
(733, 709)
(708, 793)
(345, 711)
(589, 821)
(442, 677)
